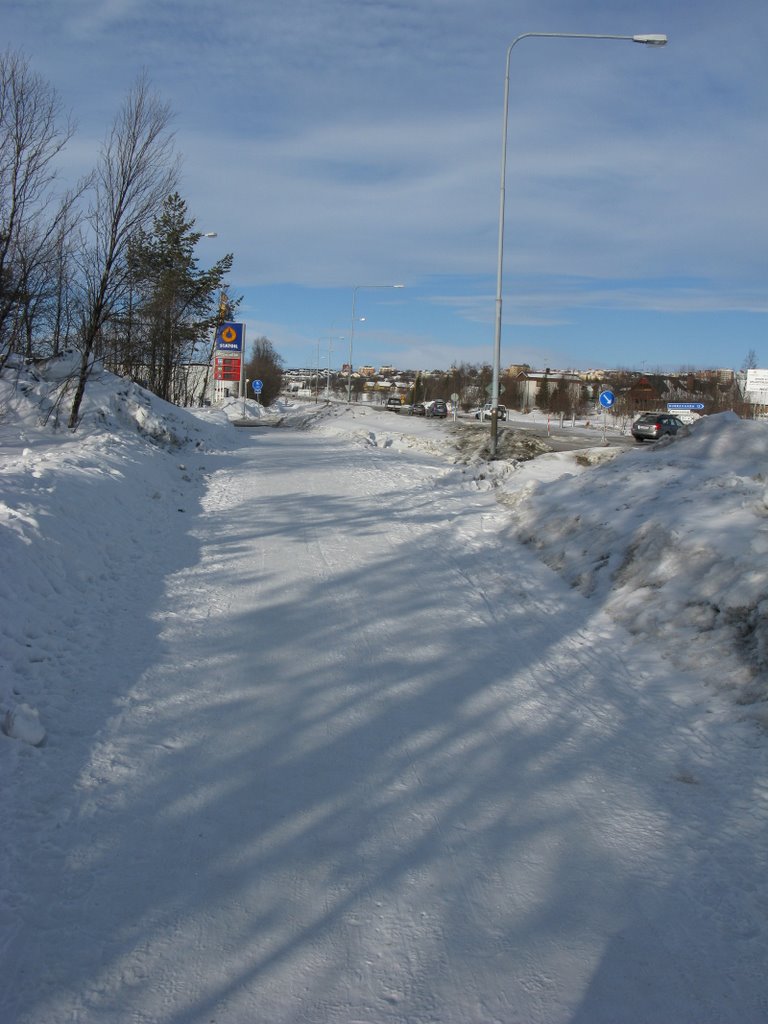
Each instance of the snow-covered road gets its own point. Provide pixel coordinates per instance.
(368, 760)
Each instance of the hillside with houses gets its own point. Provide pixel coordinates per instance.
(563, 392)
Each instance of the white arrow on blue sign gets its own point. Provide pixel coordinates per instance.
(257, 386)
(607, 399)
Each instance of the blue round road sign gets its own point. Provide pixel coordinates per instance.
(257, 386)
(607, 399)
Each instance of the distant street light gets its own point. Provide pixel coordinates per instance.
(352, 330)
(331, 338)
(209, 234)
(646, 40)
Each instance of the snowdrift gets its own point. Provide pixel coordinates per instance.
(674, 539)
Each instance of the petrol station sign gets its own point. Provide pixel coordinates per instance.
(226, 368)
(229, 338)
(228, 355)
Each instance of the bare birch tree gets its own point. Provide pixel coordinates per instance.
(32, 134)
(136, 171)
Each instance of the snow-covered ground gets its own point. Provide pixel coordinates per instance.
(335, 722)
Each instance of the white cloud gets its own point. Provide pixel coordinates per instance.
(329, 142)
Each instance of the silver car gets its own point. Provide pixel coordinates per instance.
(653, 425)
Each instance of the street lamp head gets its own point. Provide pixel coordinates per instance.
(210, 234)
(650, 40)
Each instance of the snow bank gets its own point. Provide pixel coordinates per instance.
(673, 537)
(82, 515)
(38, 396)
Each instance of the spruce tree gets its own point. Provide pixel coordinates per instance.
(175, 304)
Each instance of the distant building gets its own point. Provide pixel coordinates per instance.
(646, 394)
(721, 376)
(531, 381)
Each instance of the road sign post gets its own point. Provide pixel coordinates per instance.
(607, 400)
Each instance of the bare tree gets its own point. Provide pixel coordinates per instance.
(32, 134)
(750, 361)
(267, 366)
(59, 313)
(136, 170)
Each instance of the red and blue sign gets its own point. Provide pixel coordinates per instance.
(229, 337)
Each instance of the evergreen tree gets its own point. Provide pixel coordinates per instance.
(174, 303)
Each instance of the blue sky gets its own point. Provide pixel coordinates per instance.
(334, 144)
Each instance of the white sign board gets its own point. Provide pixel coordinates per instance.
(757, 380)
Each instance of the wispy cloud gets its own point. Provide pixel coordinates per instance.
(330, 142)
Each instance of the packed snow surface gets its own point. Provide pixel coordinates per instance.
(324, 720)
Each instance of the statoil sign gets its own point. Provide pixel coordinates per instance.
(228, 355)
(229, 337)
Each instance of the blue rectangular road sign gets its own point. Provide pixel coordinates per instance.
(675, 406)
(229, 337)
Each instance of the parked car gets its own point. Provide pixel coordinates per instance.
(436, 408)
(484, 413)
(393, 403)
(418, 409)
(653, 425)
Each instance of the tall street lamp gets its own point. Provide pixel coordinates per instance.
(355, 290)
(331, 338)
(646, 40)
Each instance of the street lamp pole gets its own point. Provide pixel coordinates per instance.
(646, 40)
(331, 338)
(355, 290)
